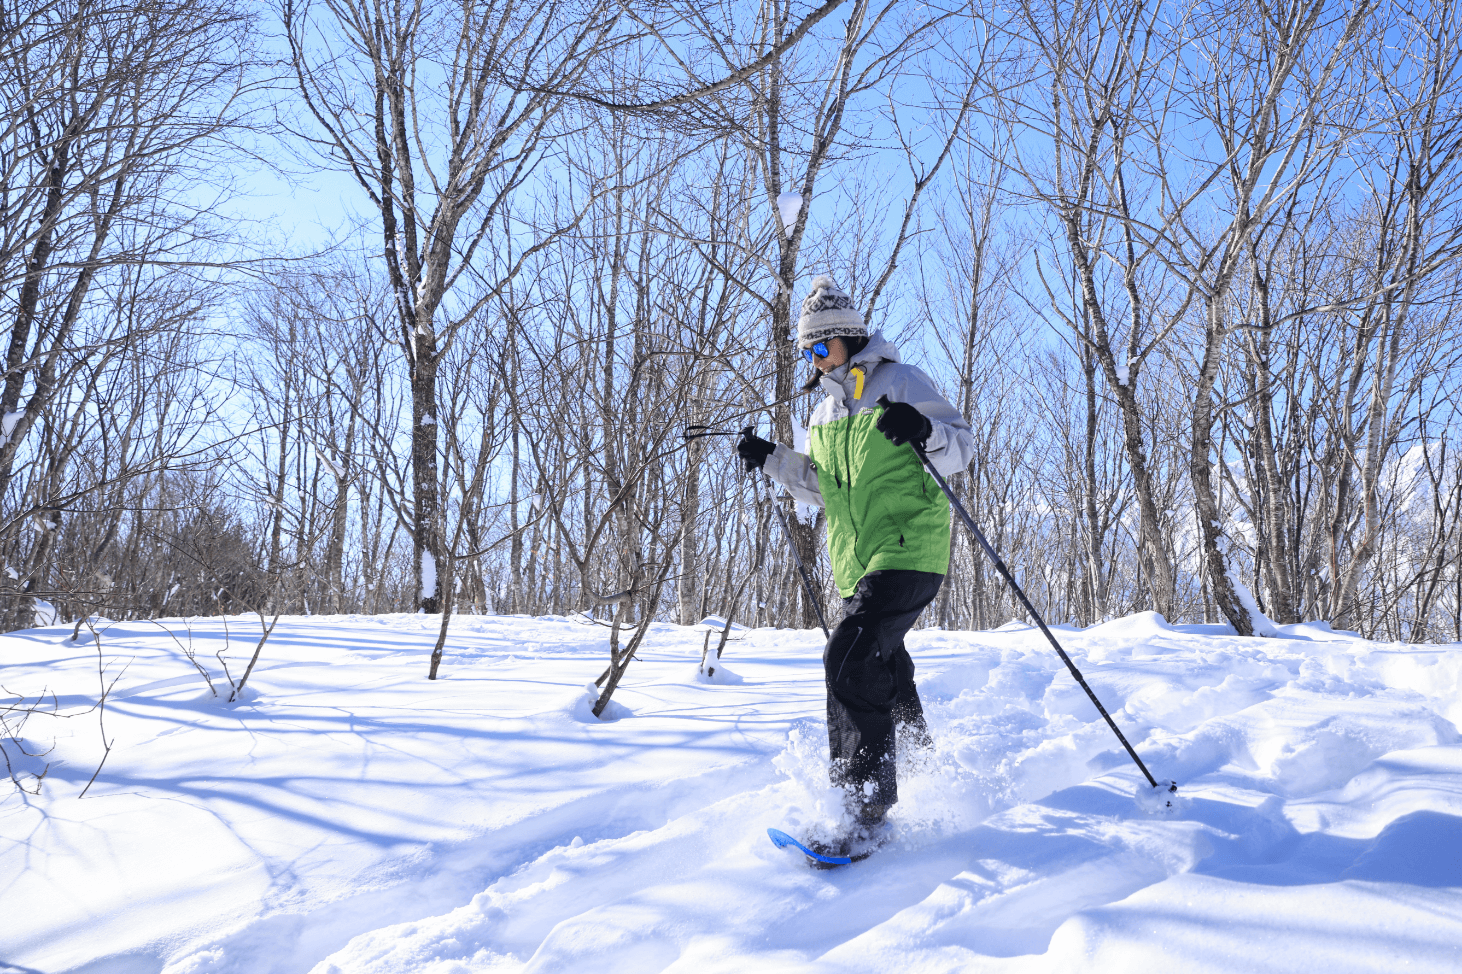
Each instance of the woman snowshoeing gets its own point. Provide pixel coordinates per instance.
(888, 533)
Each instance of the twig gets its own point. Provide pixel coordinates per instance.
(15, 736)
(101, 706)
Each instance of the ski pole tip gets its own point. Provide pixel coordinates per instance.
(1160, 799)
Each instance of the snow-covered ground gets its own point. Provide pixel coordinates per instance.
(350, 817)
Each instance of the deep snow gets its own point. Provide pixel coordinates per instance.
(350, 816)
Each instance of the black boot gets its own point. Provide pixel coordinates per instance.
(867, 834)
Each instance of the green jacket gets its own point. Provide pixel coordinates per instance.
(883, 510)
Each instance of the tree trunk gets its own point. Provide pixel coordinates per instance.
(1272, 501)
(688, 587)
(804, 537)
(1095, 571)
(425, 514)
(1200, 471)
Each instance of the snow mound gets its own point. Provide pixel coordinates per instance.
(581, 707)
(718, 624)
(45, 614)
(715, 672)
(1258, 621)
(1134, 627)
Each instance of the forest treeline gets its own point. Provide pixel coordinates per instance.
(1190, 269)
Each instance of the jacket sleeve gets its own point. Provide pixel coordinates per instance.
(951, 444)
(794, 471)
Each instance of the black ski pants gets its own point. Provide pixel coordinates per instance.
(870, 680)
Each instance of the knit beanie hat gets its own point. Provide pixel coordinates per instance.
(826, 313)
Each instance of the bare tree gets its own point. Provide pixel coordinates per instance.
(109, 110)
(441, 113)
(1413, 199)
(1271, 102)
(798, 117)
(1098, 69)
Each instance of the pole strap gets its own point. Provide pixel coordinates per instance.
(698, 432)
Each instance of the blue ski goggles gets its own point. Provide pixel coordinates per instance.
(820, 350)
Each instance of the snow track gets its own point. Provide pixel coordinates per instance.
(352, 818)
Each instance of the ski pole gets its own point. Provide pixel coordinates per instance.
(796, 557)
(1020, 594)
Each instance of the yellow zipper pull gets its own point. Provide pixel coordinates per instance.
(858, 386)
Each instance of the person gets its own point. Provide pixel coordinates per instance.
(888, 534)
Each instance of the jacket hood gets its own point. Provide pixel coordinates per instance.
(878, 349)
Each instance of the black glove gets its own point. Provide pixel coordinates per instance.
(902, 423)
(753, 450)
